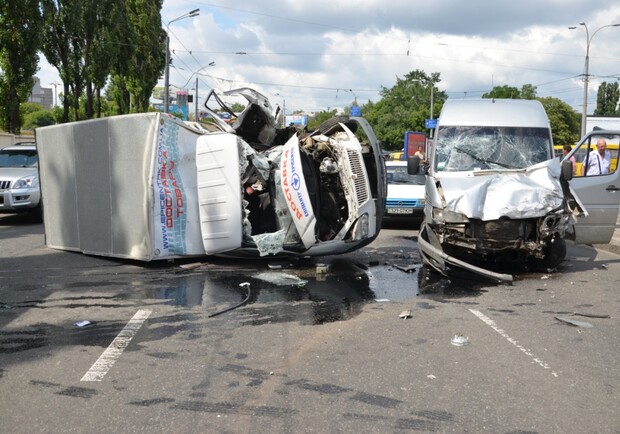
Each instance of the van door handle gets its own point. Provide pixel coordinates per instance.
(612, 188)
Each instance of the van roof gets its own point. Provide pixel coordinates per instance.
(494, 112)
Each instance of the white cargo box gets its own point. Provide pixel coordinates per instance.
(140, 187)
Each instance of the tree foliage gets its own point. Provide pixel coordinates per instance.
(528, 91)
(319, 118)
(20, 29)
(565, 122)
(88, 41)
(404, 107)
(607, 100)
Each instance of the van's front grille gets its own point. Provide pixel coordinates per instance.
(5, 185)
(361, 186)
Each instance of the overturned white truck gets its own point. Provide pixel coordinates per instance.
(150, 187)
(495, 194)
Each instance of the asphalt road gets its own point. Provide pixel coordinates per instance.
(319, 347)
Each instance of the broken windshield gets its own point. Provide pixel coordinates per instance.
(462, 148)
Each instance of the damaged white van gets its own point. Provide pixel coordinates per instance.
(494, 191)
(151, 187)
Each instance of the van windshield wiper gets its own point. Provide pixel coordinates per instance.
(484, 160)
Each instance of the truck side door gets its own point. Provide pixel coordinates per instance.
(599, 193)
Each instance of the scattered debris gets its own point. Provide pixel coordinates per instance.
(406, 268)
(82, 323)
(245, 285)
(321, 269)
(431, 376)
(6, 306)
(405, 314)
(459, 340)
(582, 324)
(545, 276)
(279, 265)
(190, 266)
(605, 266)
(382, 300)
(281, 279)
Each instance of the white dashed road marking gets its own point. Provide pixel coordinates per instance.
(527, 352)
(116, 348)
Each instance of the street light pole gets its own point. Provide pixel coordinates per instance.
(586, 72)
(189, 14)
(197, 74)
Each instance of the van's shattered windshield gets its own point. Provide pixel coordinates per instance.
(461, 148)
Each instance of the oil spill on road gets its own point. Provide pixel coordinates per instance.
(308, 292)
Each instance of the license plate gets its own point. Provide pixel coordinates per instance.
(400, 210)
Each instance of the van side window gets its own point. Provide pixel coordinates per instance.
(597, 156)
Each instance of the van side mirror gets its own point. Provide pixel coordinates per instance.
(413, 165)
(567, 169)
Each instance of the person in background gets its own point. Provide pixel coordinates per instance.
(599, 159)
(420, 154)
(565, 150)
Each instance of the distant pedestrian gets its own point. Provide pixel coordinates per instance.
(599, 159)
(420, 154)
(565, 150)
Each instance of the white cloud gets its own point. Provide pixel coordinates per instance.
(324, 53)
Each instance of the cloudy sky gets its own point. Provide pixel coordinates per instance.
(322, 54)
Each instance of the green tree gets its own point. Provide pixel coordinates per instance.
(319, 118)
(39, 118)
(20, 30)
(565, 122)
(528, 91)
(103, 19)
(404, 107)
(607, 98)
(63, 36)
(148, 61)
(503, 92)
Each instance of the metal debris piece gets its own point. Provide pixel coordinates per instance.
(382, 300)
(405, 314)
(545, 276)
(582, 324)
(406, 268)
(321, 269)
(459, 340)
(190, 266)
(604, 266)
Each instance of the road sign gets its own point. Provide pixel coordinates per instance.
(355, 110)
(431, 123)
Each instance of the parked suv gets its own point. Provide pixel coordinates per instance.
(19, 180)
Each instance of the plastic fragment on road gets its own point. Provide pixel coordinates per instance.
(406, 268)
(459, 340)
(405, 314)
(82, 323)
(573, 322)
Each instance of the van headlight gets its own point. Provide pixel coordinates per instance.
(361, 229)
(446, 216)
